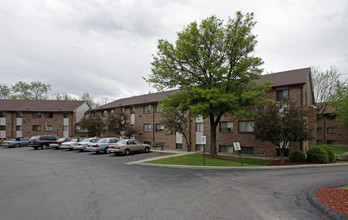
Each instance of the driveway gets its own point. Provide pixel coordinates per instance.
(51, 184)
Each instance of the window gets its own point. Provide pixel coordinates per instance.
(66, 128)
(282, 94)
(18, 114)
(147, 127)
(2, 127)
(260, 108)
(147, 109)
(36, 115)
(18, 127)
(36, 127)
(159, 127)
(226, 149)
(246, 126)
(331, 130)
(339, 135)
(331, 142)
(103, 113)
(199, 127)
(65, 115)
(247, 150)
(178, 146)
(132, 110)
(49, 128)
(2, 114)
(158, 108)
(319, 141)
(147, 142)
(226, 126)
(48, 115)
(331, 117)
(319, 130)
(199, 147)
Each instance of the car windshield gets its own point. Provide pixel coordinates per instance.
(102, 140)
(13, 139)
(74, 140)
(122, 141)
(94, 140)
(61, 139)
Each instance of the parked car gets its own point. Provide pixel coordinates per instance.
(126, 146)
(81, 146)
(70, 144)
(101, 145)
(16, 142)
(58, 142)
(42, 141)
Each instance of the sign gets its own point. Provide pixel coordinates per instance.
(236, 146)
(203, 140)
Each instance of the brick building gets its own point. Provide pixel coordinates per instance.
(145, 116)
(27, 118)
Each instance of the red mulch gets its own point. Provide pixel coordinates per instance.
(287, 162)
(335, 199)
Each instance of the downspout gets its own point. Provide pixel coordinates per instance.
(301, 143)
(153, 123)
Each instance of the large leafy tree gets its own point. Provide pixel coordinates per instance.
(118, 123)
(95, 126)
(30, 91)
(215, 64)
(5, 92)
(282, 124)
(340, 102)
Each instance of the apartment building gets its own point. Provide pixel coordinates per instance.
(26, 118)
(146, 117)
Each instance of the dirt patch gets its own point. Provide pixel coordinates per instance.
(335, 199)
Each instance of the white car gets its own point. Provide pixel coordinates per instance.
(126, 146)
(81, 146)
(70, 144)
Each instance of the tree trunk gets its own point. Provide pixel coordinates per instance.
(281, 150)
(212, 136)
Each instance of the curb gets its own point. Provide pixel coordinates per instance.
(316, 203)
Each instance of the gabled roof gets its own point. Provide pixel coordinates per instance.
(136, 100)
(39, 105)
(287, 78)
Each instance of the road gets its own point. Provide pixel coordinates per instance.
(59, 184)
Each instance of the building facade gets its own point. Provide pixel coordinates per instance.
(146, 117)
(26, 118)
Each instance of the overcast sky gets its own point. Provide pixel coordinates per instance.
(105, 47)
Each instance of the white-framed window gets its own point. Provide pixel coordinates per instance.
(147, 108)
(226, 126)
(147, 127)
(246, 126)
(18, 127)
(18, 114)
(36, 127)
(49, 128)
(282, 94)
(331, 130)
(66, 128)
(226, 149)
(159, 127)
(36, 115)
(132, 109)
(2, 127)
(49, 115)
(158, 108)
(65, 115)
(199, 127)
(199, 147)
(2, 114)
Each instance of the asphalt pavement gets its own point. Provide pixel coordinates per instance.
(59, 184)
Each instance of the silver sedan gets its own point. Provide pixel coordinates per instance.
(126, 146)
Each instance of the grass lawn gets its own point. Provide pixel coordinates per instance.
(339, 149)
(344, 187)
(197, 160)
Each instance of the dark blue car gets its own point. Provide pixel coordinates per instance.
(16, 142)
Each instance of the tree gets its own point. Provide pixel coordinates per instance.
(91, 103)
(64, 96)
(33, 91)
(282, 124)
(118, 123)
(176, 115)
(95, 126)
(5, 92)
(340, 102)
(215, 64)
(325, 84)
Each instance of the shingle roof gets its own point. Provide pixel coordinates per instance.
(39, 105)
(286, 78)
(136, 100)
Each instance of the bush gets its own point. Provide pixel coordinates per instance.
(317, 154)
(297, 156)
(330, 152)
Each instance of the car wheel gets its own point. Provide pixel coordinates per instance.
(81, 150)
(97, 152)
(44, 146)
(16, 145)
(36, 148)
(126, 152)
(146, 150)
(106, 150)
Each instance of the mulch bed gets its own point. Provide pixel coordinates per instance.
(287, 162)
(335, 199)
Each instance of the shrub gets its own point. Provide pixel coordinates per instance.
(330, 152)
(317, 154)
(297, 156)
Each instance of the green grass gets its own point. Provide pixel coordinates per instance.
(197, 160)
(339, 149)
(344, 187)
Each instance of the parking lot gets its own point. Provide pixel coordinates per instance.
(60, 184)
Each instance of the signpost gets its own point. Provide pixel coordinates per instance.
(237, 147)
(203, 141)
